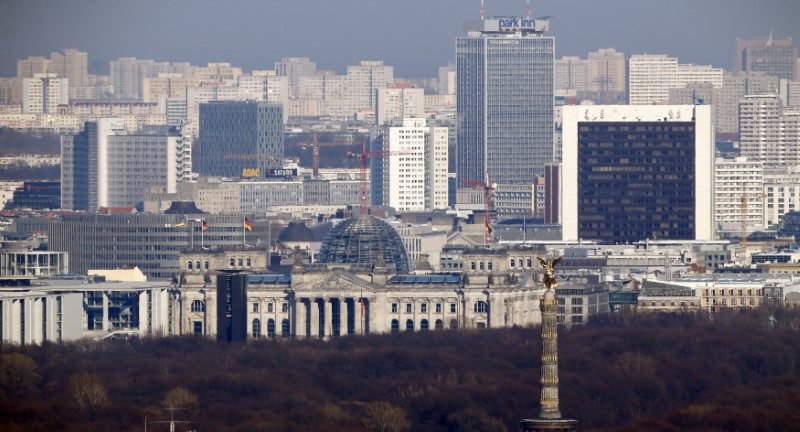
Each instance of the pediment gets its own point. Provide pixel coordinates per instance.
(334, 281)
(460, 239)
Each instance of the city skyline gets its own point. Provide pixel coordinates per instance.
(355, 30)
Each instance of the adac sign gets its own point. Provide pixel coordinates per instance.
(251, 172)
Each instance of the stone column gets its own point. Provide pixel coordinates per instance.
(549, 375)
(313, 312)
(328, 328)
(105, 311)
(373, 306)
(299, 324)
(343, 316)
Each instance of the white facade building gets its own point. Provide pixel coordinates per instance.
(33, 263)
(104, 166)
(399, 103)
(768, 133)
(44, 93)
(738, 182)
(364, 80)
(652, 76)
(413, 176)
(781, 195)
(36, 316)
(734, 88)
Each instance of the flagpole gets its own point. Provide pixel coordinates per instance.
(202, 233)
(244, 231)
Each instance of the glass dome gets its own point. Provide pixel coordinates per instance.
(357, 241)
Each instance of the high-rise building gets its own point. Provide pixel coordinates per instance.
(504, 101)
(104, 166)
(399, 103)
(71, 64)
(31, 66)
(222, 72)
(734, 88)
(235, 136)
(767, 132)
(413, 174)
(294, 68)
(738, 190)
(607, 71)
(781, 195)
(44, 93)
(572, 73)
(632, 173)
(447, 79)
(166, 85)
(652, 76)
(364, 80)
(774, 57)
(128, 75)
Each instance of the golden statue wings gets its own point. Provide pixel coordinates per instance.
(550, 275)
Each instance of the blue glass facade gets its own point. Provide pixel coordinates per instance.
(504, 104)
(235, 136)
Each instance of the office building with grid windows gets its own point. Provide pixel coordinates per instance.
(632, 173)
(238, 136)
(504, 102)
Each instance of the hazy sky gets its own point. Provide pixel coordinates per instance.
(415, 36)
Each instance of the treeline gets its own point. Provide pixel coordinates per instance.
(635, 372)
(13, 143)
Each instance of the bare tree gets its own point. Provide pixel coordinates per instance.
(180, 397)
(382, 416)
(17, 373)
(88, 391)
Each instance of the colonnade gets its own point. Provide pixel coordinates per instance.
(326, 316)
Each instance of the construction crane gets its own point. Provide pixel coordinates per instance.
(315, 150)
(362, 159)
(487, 205)
(743, 241)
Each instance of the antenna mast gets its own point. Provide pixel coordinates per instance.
(483, 10)
(528, 10)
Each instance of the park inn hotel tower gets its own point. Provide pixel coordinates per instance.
(504, 101)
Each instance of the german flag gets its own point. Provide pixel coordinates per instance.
(247, 225)
(205, 225)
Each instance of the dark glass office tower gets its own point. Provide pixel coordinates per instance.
(504, 101)
(637, 172)
(237, 136)
(636, 181)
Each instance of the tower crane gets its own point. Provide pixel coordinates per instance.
(487, 205)
(743, 241)
(362, 159)
(315, 150)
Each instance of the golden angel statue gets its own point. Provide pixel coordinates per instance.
(550, 275)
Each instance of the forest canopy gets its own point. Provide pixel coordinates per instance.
(642, 372)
